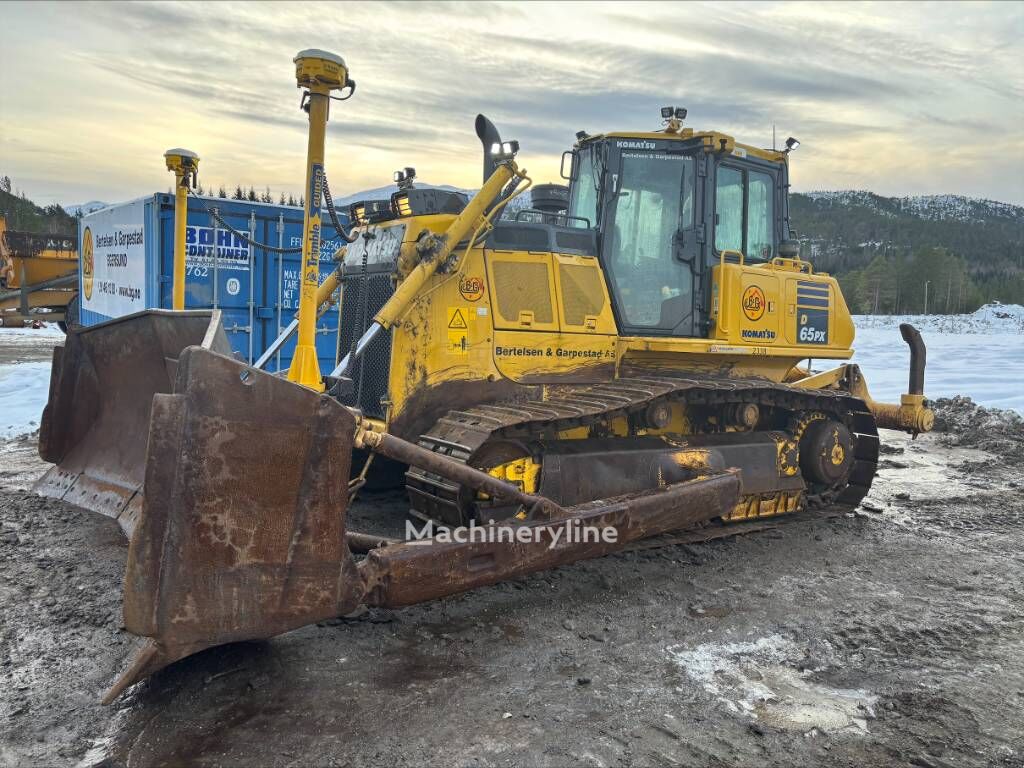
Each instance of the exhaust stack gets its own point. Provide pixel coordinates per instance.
(488, 136)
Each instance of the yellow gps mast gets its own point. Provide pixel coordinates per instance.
(184, 163)
(319, 72)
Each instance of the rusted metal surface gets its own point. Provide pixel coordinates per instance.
(364, 542)
(412, 573)
(96, 423)
(241, 533)
(29, 244)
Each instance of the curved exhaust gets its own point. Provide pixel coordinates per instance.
(918, 356)
(488, 136)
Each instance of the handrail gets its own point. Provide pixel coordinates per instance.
(565, 216)
(800, 264)
(722, 292)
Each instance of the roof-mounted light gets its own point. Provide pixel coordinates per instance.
(792, 144)
(506, 150)
(405, 177)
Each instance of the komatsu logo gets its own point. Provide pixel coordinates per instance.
(760, 333)
(636, 145)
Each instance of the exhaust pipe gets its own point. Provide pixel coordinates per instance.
(913, 413)
(488, 136)
(918, 357)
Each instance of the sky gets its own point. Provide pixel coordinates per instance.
(899, 99)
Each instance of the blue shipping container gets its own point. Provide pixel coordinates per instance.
(128, 262)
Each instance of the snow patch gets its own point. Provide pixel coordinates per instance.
(24, 388)
(927, 207)
(759, 679)
(980, 355)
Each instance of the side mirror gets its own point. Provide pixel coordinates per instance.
(789, 249)
(571, 175)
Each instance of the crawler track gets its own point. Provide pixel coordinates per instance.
(461, 434)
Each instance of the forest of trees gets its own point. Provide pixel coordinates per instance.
(887, 252)
(251, 195)
(929, 280)
(24, 215)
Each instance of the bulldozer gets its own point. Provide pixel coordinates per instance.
(631, 357)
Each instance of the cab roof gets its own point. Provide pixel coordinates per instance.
(712, 141)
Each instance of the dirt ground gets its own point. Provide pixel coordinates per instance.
(891, 636)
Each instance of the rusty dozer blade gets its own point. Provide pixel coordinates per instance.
(96, 423)
(241, 533)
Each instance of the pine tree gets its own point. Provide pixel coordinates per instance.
(251, 197)
(222, 192)
(239, 194)
(281, 201)
(291, 200)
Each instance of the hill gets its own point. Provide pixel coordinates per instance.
(24, 215)
(886, 249)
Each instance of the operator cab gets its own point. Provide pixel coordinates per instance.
(668, 206)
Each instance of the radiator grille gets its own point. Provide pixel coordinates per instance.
(370, 374)
(522, 287)
(582, 292)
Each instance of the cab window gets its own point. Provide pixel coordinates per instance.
(583, 198)
(652, 203)
(745, 212)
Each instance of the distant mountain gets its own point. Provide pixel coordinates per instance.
(928, 207)
(84, 208)
(846, 232)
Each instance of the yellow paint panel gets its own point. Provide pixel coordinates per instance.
(522, 290)
(550, 357)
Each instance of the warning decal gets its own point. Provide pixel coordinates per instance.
(457, 318)
(458, 330)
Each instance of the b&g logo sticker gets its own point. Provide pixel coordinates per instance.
(471, 288)
(753, 303)
(88, 267)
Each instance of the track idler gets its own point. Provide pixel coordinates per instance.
(242, 535)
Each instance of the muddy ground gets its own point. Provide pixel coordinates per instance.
(892, 636)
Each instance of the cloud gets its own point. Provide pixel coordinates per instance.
(875, 92)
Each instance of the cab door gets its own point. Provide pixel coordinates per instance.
(650, 242)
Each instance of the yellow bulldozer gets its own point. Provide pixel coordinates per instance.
(628, 358)
(38, 277)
